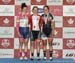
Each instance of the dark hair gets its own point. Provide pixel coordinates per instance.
(23, 5)
(35, 7)
(46, 7)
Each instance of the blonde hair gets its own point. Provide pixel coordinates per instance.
(35, 7)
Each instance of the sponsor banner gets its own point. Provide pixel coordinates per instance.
(56, 10)
(68, 32)
(69, 2)
(7, 10)
(6, 32)
(58, 21)
(69, 53)
(16, 53)
(16, 43)
(69, 10)
(68, 21)
(54, 2)
(15, 21)
(7, 2)
(58, 33)
(57, 43)
(69, 43)
(63, 12)
(6, 43)
(6, 21)
(57, 53)
(6, 53)
(18, 2)
(38, 2)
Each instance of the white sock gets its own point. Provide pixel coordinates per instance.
(41, 54)
(35, 53)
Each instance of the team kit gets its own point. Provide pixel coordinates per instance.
(39, 29)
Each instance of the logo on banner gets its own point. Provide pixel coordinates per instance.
(6, 1)
(54, 2)
(71, 10)
(70, 21)
(6, 10)
(70, 55)
(55, 32)
(56, 10)
(70, 1)
(56, 44)
(6, 32)
(6, 21)
(38, 0)
(5, 43)
(70, 43)
(55, 54)
(40, 10)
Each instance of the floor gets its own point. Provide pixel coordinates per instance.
(36, 61)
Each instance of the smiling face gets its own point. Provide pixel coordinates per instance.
(35, 10)
(24, 9)
(46, 10)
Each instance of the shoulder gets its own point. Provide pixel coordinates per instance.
(42, 15)
(39, 16)
(30, 15)
(50, 15)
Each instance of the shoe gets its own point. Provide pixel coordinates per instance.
(32, 58)
(51, 58)
(21, 57)
(44, 58)
(38, 58)
(25, 58)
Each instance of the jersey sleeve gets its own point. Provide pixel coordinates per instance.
(51, 15)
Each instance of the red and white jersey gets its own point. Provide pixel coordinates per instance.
(36, 22)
